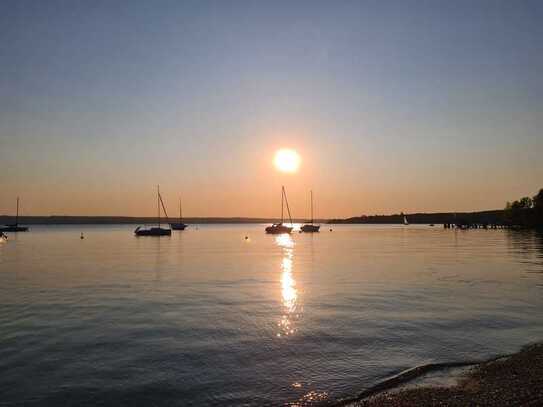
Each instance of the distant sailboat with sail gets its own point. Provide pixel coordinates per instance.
(405, 222)
(155, 231)
(14, 227)
(278, 228)
(310, 227)
(179, 225)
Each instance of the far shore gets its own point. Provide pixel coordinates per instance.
(512, 380)
(128, 220)
(495, 216)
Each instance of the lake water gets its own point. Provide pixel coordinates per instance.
(207, 317)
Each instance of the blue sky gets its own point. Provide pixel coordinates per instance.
(413, 106)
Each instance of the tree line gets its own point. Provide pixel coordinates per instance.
(526, 212)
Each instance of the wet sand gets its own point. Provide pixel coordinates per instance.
(515, 380)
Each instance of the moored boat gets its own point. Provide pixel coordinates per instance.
(155, 231)
(280, 228)
(310, 227)
(14, 227)
(179, 225)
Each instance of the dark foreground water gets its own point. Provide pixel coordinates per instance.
(208, 318)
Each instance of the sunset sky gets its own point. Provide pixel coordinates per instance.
(393, 106)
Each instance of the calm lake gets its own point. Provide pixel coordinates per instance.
(206, 317)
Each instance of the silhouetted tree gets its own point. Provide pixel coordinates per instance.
(526, 202)
(537, 200)
(526, 212)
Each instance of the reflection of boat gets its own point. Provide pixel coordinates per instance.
(15, 226)
(278, 228)
(155, 231)
(3, 237)
(180, 225)
(405, 222)
(310, 227)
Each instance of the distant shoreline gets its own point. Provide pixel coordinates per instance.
(128, 220)
(490, 217)
(494, 216)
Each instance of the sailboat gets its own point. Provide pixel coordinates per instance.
(180, 225)
(278, 228)
(310, 227)
(405, 222)
(155, 231)
(14, 227)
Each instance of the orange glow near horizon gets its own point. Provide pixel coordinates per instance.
(287, 160)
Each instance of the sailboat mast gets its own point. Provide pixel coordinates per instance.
(158, 203)
(17, 213)
(282, 194)
(180, 212)
(288, 209)
(311, 192)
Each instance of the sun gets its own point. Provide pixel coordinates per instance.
(286, 160)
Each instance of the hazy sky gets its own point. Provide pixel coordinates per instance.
(393, 105)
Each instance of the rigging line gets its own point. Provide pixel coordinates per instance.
(288, 209)
(163, 208)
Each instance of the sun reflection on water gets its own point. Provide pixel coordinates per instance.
(288, 285)
(289, 292)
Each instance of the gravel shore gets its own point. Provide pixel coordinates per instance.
(515, 380)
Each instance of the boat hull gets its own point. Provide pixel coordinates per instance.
(278, 229)
(153, 232)
(13, 228)
(310, 228)
(178, 226)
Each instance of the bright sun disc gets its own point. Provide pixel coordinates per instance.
(286, 160)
